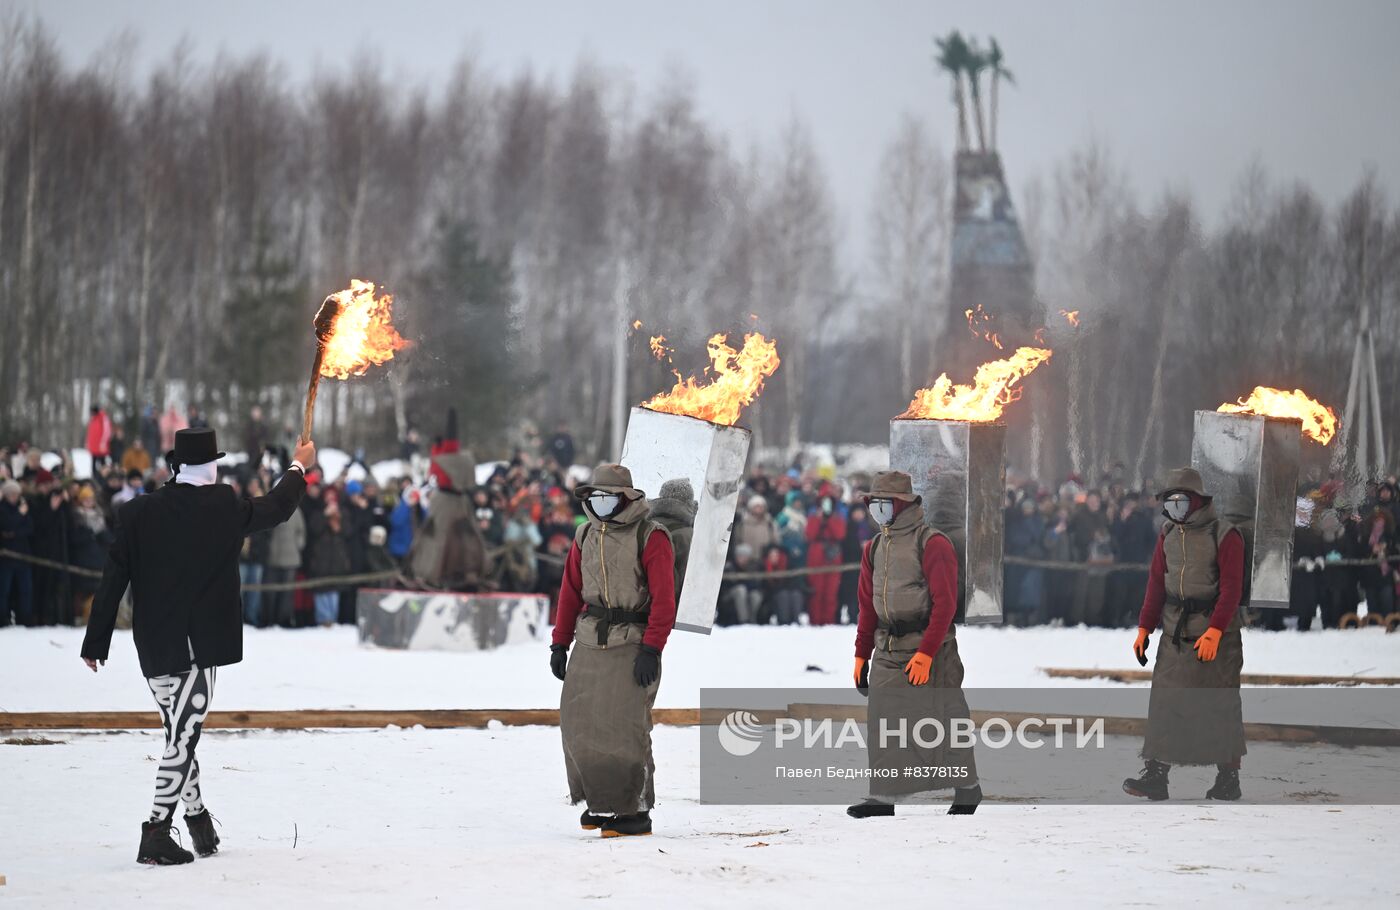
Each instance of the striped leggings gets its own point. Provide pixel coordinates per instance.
(183, 700)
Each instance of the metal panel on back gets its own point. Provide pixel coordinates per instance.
(1249, 465)
(959, 470)
(660, 447)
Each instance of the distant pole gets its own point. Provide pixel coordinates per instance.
(1375, 386)
(619, 378)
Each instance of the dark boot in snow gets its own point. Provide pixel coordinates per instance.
(590, 822)
(157, 848)
(965, 800)
(871, 808)
(1152, 784)
(628, 825)
(206, 842)
(1227, 785)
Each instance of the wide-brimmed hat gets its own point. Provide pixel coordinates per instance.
(609, 478)
(194, 446)
(1183, 480)
(891, 485)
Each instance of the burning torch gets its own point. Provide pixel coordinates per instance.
(689, 433)
(354, 330)
(953, 448)
(1248, 452)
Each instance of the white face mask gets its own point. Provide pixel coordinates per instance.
(882, 511)
(1177, 507)
(604, 504)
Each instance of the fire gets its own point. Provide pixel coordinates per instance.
(1319, 421)
(659, 349)
(1072, 316)
(363, 333)
(733, 380)
(978, 321)
(992, 389)
(636, 324)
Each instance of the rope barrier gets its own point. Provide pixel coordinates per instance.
(336, 581)
(346, 581)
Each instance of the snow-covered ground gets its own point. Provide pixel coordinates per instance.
(480, 817)
(40, 669)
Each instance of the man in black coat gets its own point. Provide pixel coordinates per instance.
(178, 549)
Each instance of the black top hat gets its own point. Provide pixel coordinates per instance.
(196, 446)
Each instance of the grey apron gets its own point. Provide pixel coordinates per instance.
(605, 721)
(893, 699)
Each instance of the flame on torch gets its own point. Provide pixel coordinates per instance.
(731, 382)
(362, 334)
(993, 387)
(1319, 421)
(354, 330)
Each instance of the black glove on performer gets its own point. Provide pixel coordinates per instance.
(558, 659)
(647, 667)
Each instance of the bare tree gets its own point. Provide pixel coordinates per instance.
(910, 221)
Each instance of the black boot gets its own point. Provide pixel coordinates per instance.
(1152, 784)
(966, 800)
(871, 808)
(1227, 785)
(628, 825)
(590, 822)
(206, 842)
(157, 848)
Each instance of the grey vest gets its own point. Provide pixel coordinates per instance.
(900, 590)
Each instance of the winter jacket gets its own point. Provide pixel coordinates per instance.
(99, 435)
(16, 530)
(758, 533)
(825, 534)
(403, 524)
(87, 547)
(328, 554)
(136, 460)
(287, 543)
(1025, 535)
(678, 517)
(1134, 537)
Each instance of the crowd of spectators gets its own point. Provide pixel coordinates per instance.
(1077, 553)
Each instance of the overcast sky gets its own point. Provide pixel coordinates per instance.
(1184, 93)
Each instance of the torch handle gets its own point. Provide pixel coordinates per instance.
(311, 388)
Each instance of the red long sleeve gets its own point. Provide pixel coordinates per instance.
(1229, 558)
(659, 563)
(941, 570)
(570, 598)
(1151, 614)
(865, 601)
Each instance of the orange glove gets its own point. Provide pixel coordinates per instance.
(918, 667)
(1140, 646)
(1208, 644)
(859, 674)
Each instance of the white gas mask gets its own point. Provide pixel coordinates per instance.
(882, 511)
(604, 505)
(1177, 506)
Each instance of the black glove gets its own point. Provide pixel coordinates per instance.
(558, 659)
(863, 687)
(647, 667)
